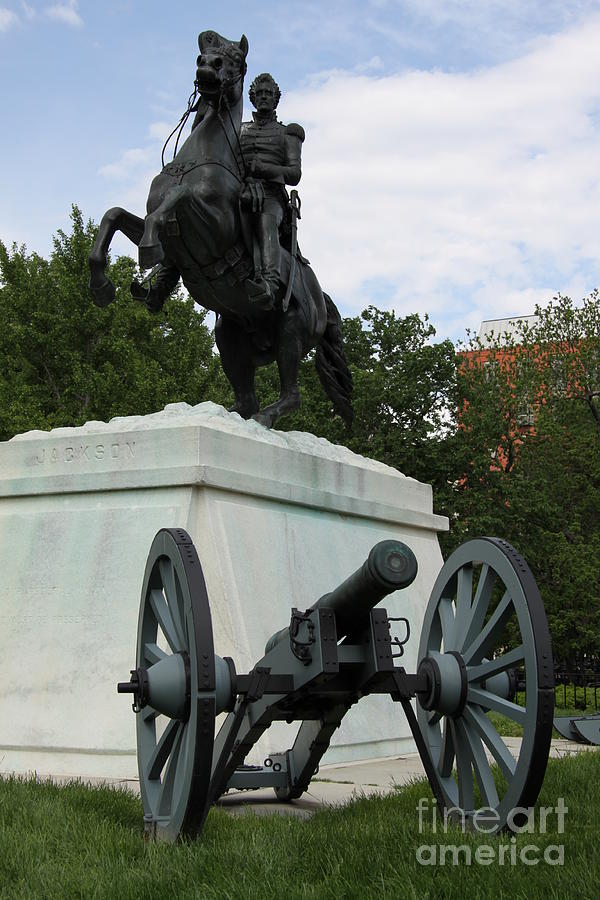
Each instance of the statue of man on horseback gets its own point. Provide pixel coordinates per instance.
(272, 156)
(225, 187)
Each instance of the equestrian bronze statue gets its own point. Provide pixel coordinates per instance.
(220, 219)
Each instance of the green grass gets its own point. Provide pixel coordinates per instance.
(77, 842)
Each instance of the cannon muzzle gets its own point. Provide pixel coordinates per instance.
(389, 567)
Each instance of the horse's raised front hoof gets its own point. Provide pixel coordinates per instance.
(104, 293)
(150, 255)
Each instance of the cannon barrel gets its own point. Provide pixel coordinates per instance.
(390, 566)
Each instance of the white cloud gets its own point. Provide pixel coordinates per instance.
(464, 191)
(28, 11)
(467, 196)
(128, 164)
(7, 18)
(66, 13)
(375, 64)
(138, 165)
(160, 130)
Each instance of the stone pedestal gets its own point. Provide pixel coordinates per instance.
(278, 520)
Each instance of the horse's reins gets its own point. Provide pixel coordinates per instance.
(221, 101)
(243, 173)
(180, 125)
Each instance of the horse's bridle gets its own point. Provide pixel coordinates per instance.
(221, 100)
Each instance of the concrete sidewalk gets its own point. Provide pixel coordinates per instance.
(338, 784)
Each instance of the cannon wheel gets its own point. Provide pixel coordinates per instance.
(484, 586)
(175, 766)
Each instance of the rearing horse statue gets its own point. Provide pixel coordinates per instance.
(194, 229)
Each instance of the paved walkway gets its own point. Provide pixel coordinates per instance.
(335, 785)
(338, 784)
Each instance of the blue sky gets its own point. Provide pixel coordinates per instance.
(452, 158)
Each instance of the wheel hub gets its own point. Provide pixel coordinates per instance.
(446, 675)
(165, 687)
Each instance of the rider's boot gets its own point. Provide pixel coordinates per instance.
(265, 287)
(260, 292)
(154, 291)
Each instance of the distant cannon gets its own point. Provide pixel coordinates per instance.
(332, 654)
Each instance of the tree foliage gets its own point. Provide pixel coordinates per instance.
(65, 361)
(511, 446)
(528, 450)
(404, 394)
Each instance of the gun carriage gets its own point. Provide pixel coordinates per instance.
(331, 655)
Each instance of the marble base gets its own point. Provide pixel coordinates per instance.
(278, 519)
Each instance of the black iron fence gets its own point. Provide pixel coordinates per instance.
(578, 682)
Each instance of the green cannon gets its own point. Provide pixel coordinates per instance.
(484, 635)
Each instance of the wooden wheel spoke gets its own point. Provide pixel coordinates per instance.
(447, 752)
(446, 614)
(169, 780)
(164, 618)
(477, 719)
(148, 714)
(464, 767)
(153, 653)
(483, 772)
(172, 592)
(499, 704)
(157, 760)
(464, 598)
(491, 632)
(481, 602)
(494, 666)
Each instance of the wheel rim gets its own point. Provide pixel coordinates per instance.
(465, 621)
(175, 765)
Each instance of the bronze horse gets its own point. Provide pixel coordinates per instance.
(194, 229)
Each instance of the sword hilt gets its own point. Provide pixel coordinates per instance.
(295, 203)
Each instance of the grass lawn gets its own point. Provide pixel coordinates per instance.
(78, 842)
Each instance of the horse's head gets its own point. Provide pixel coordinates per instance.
(221, 66)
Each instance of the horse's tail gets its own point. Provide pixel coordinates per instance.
(331, 365)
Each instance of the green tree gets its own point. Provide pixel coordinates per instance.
(404, 395)
(65, 361)
(528, 454)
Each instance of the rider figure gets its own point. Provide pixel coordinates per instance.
(272, 156)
